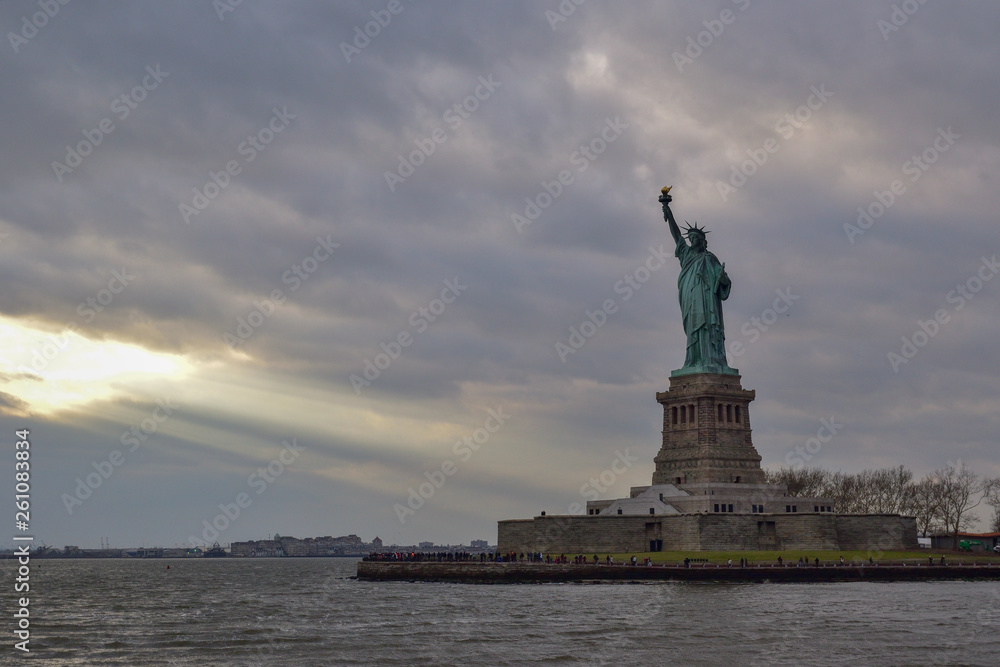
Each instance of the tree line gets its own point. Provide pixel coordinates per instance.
(943, 501)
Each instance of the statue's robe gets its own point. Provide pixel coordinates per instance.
(701, 293)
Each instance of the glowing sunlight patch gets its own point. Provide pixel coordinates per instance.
(55, 371)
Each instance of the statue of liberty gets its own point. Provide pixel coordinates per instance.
(702, 286)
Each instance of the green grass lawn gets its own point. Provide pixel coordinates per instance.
(792, 557)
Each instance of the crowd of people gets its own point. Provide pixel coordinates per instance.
(496, 557)
(423, 556)
(579, 559)
(457, 556)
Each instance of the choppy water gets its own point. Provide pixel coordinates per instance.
(310, 612)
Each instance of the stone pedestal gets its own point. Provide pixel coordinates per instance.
(706, 432)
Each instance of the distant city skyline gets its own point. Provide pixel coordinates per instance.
(341, 540)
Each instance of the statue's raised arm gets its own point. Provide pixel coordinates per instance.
(668, 215)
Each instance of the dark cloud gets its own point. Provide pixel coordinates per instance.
(323, 176)
(12, 405)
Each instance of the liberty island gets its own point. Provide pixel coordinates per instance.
(708, 494)
(708, 491)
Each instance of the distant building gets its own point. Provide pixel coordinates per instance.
(181, 552)
(976, 541)
(347, 545)
(376, 543)
(257, 549)
(426, 545)
(479, 544)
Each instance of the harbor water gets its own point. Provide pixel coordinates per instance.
(313, 612)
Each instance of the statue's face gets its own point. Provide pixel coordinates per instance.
(698, 241)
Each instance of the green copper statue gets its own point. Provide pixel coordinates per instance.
(702, 287)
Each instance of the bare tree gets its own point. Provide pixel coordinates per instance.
(890, 490)
(863, 487)
(802, 483)
(943, 500)
(925, 504)
(877, 491)
(847, 492)
(992, 491)
(959, 487)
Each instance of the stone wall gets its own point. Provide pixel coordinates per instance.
(876, 531)
(492, 573)
(708, 532)
(570, 534)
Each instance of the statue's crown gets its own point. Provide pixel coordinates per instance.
(695, 228)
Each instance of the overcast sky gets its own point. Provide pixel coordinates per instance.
(213, 216)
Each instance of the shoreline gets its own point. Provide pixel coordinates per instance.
(527, 573)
